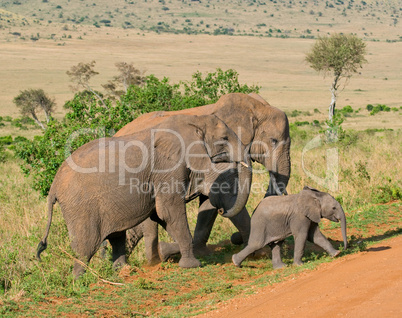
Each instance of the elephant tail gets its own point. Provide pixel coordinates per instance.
(51, 200)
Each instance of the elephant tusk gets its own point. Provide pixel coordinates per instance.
(221, 211)
(244, 164)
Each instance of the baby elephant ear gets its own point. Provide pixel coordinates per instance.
(309, 188)
(312, 209)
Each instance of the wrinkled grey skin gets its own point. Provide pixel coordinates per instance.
(110, 185)
(255, 122)
(157, 251)
(276, 218)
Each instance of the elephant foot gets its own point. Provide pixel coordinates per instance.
(78, 270)
(298, 263)
(236, 261)
(119, 262)
(167, 250)
(189, 262)
(335, 253)
(201, 250)
(236, 238)
(103, 249)
(278, 265)
(154, 261)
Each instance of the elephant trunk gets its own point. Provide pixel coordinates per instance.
(230, 204)
(243, 190)
(343, 229)
(277, 186)
(279, 175)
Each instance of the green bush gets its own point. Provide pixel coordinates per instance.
(347, 109)
(295, 113)
(387, 193)
(6, 140)
(88, 119)
(379, 108)
(301, 123)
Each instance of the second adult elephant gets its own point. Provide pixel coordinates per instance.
(257, 123)
(110, 185)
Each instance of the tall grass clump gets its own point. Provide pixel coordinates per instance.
(367, 168)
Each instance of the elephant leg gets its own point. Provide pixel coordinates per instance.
(276, 255)
(118, 242)
(300, 243)
(205, 220)
(249, 249)
(150, 230)
(257, 240)
(300, 229)
(133, 237)
(84, 243)
(242, 222)
(172, 209)
(315, 236)
(164, 250)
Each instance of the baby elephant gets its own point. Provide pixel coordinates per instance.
(277, 217)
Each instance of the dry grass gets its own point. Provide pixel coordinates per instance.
(277, 65)
(370, 19)
(365, 163)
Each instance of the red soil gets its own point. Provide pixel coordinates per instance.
(367, 284)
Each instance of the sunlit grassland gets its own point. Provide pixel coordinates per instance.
(369, 174)
(277, 65)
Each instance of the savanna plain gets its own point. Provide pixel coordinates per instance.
(35, 53)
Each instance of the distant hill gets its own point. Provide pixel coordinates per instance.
(371, 20)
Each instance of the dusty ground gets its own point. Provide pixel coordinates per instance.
(368, 284)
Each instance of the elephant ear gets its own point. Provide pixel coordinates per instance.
(167, 144)
(311, 208)
(309, 188)
(197, 157)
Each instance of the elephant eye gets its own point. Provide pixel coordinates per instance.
(225, 138)
(274, 141)
(333, 208)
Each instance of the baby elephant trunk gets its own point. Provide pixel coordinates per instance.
(343, 229)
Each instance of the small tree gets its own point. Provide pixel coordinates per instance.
(81, 74)
(31, 101)
(128, 75)
(340, 55)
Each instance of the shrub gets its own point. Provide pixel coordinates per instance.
(387, 193)
(301, 123)
(6, 140)
(347, 109)
(43, 155)
(295, 113)
(379, 108)
(369, 107)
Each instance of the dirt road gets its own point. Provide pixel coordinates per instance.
(367, 284)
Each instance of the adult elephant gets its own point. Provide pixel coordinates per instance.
(257, 123)
(112, 184)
